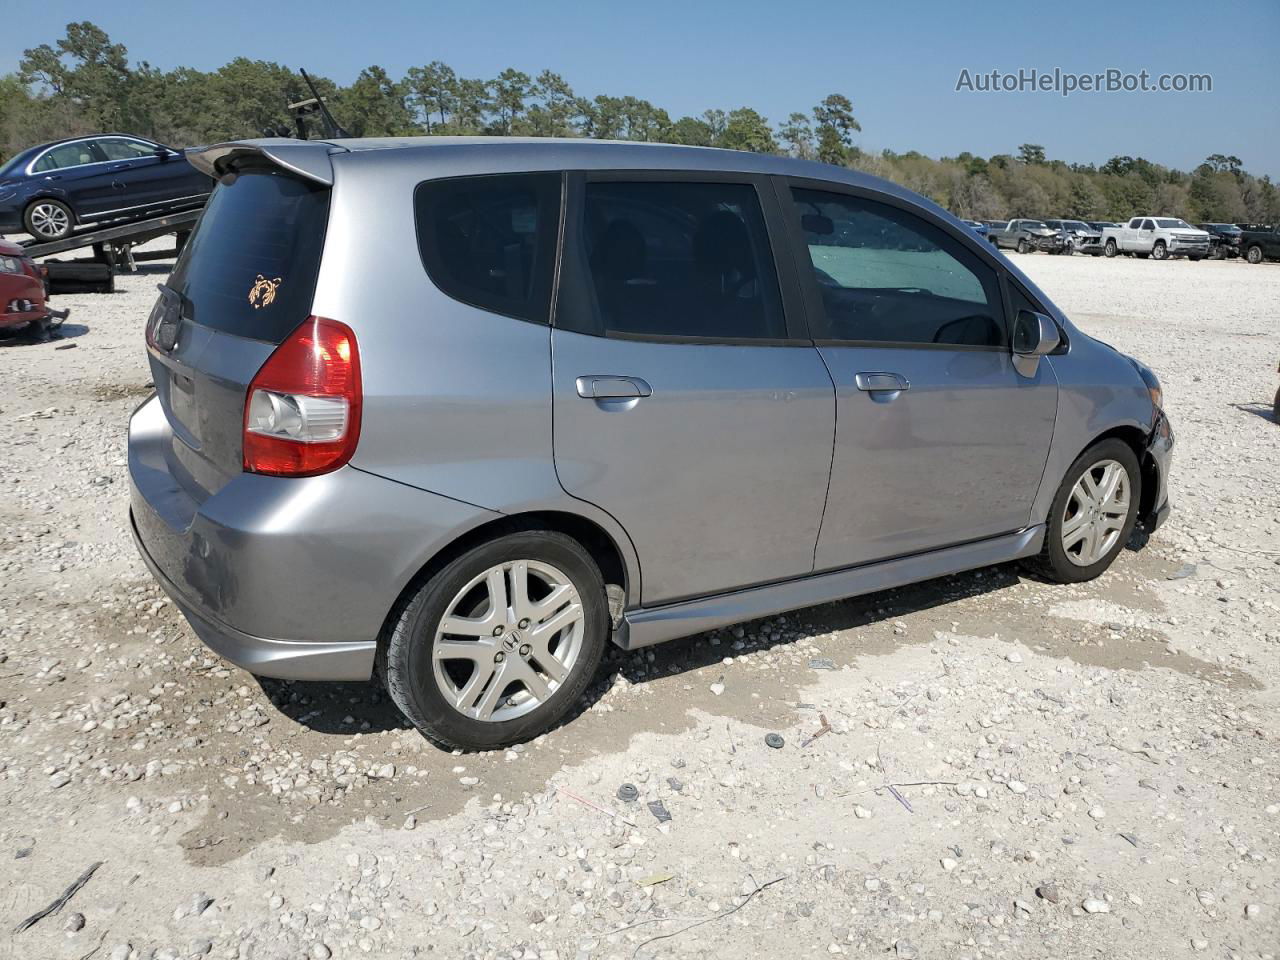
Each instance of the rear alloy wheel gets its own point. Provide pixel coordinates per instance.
(48, 220)
(1110, 249)
(1159, 251)
(1093, 513)
(498, 646)
(1254, 254)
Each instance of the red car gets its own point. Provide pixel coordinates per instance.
(22, 296)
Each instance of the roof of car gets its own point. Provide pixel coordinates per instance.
(314, 157)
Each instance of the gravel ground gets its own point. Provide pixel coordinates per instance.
(1002, 768)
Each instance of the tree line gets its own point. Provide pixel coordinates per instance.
(84, 83)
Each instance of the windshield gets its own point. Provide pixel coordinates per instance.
(1036, 225)
(1166, 223)
(1076, 225)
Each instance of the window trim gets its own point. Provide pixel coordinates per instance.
(983, 251)
(571, 245)
(544, 299)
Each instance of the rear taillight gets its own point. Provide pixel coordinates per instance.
(302, 411)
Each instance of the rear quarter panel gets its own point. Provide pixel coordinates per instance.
(457, 400)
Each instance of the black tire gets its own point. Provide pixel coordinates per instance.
(405, 657)
(1159, 251)
(1052, 562)
(1024, 247)
(1254, 254)
(40, 226)
(1217, 253)
(1195, 259)
(1109, 250)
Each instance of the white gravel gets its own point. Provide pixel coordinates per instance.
(1012, 769)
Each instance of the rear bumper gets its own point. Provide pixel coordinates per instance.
(289, 659)
(289, 578)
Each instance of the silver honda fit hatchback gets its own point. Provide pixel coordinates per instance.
(459, 412)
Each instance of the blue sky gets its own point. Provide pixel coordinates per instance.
(897, 61)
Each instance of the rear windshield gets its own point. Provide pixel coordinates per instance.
(250, 267)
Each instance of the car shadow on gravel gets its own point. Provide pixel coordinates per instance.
(1258, 409)
(334, 708)
(68, 331)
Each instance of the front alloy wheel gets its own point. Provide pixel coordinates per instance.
(1254, 255)
(48, 220)
(1110, 249)
(1159, 251)
(1093, 513)
(498, 645)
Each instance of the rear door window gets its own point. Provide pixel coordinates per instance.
(250, 268)
(68, 155)
(490, 241)
(676, 259)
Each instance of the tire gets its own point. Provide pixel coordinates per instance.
(1195, 259)
(1067, 560)
(1109, 250)
(1254, 254)
(1159, 251)
(48, 220)
(1024, 247)
(1068, 250)
(426, 686)
(1217, 253)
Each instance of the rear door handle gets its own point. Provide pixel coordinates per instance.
(612, 388)
(875, 382)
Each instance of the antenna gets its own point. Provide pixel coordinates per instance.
(333, 130)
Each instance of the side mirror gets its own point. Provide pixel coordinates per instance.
(1034, 336)
(162, 152)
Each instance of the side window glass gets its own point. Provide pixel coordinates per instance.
(887, 276)
(126, 149)
(490, 241)
(1148, 225)
(680, 259)
(67, 155)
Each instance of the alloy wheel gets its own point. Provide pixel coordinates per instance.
(1095, 513)
(508, 640)
(49, 220)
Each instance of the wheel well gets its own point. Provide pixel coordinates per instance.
(1137, 441)
(591, 535)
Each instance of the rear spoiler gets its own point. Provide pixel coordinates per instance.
(306, 158)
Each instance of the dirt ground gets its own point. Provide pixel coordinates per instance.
(1012, 769)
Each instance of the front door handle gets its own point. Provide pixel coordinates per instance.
(612, 388)
(876, 382)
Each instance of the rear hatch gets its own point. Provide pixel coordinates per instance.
(243, 282)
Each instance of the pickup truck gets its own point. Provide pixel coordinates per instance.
(1026, 236)
(1260, 243)
(1081, 238)
(1157, 237)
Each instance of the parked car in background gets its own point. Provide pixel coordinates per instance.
(1027, 236)
(977, 226)
(23, 306)
(1260, 242)
(1101, 225)
(1224, 240)
(49, 190)
(1157, 237)
(1081, 238)
(336, 473)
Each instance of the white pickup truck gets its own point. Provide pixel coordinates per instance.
(1157, 237)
